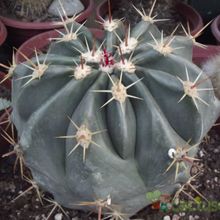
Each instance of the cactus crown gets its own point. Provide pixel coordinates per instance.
(107, 118)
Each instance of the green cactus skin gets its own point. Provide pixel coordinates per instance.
(28, 9)
(132, 153)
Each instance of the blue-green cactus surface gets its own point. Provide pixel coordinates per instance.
(108, 118)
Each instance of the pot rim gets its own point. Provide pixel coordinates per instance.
(201, 55)
(3, 33)
(215, 27)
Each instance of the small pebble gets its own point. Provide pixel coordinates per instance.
(182, 214)
(26, 206)
(201, 154)
(191, 217)
(176, 217)
(216, 150)
(167, 217)
(58, 216)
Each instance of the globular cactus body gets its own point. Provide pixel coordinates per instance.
(28, 9)
(105, 126)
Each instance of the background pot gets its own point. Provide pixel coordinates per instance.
(41, 41)
(20, 31)
(3, 33)
(201, 55)
(183, 9)
(215, 27)
(4, 145)
(208, 9)
(3, 47)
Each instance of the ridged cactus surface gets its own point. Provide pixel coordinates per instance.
(28, 9)
(98, 119)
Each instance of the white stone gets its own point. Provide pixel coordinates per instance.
(176, 217)
(201, 153)
(58, 216)
(167, 217)
(191, 217)
(71, 7)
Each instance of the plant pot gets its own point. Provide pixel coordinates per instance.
(3, 119)
(4, 50)
(215, 27)
(201, 55)
(20, 31)
(184, 10)
(208, 9)
(3, 33)
(41, 41)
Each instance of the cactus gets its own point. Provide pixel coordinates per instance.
(28, 9)
(122, 117)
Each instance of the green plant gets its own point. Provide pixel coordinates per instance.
(153, 196)
(28, 9)
(98, 119)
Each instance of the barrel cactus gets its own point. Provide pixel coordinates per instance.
(121, 117)
(28, 9)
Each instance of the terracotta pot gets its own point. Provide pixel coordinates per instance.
(190, 14)
(41, 41)
(4, 50)
(20, 31)
(201, 55)
(4, 145)
(208, 9)
(215, 27)
(3, 33)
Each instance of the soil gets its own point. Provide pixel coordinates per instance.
(164, 9)
(28, 206)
